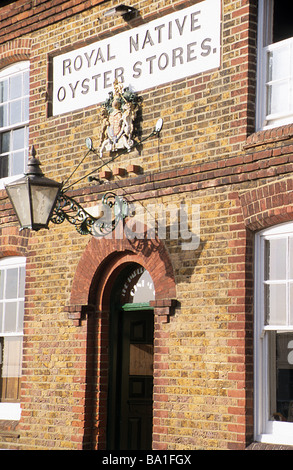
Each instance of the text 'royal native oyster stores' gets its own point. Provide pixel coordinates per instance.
(183, 43)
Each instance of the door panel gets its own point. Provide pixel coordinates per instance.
(134, 380)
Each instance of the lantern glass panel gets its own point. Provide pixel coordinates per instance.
(43, 200)
(19, 194)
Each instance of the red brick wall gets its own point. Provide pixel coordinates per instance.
(25, 16)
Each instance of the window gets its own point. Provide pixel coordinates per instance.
(275, 64)
(274, 335)
(14, 116)
(12, 282)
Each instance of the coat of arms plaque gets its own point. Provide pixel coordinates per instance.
(118, 114)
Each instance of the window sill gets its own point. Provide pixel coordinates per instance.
(277, 432)
(275, 440)
(9, 179)
(10, 411)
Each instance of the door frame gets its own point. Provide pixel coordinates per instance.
(114, 345)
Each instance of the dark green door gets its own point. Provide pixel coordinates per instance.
(131, 389)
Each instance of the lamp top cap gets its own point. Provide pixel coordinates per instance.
(33, 165)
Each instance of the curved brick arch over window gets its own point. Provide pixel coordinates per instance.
(15, 51)
(104, 258)
(268, 205)
(13, 243)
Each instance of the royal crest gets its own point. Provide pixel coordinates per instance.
(118, 114)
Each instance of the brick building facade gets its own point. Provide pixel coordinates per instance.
(214, 157)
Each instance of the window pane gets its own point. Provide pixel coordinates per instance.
(15, 86)
(21, 281)
(3, 91)
(12, 356)
(15, 112)
(19, 327)
(11, 369)
(5, 142)
(281, 361)
(26, 83)
(11, 283)
(18, 139)
(275, 259)
(3, 116)
(291, 304)
(282, 22)
(3, 166)
(25, 105)
(14, 163)
(17, 163)
(10, 317)
(279, 63)
(277, 99)
(275, 304)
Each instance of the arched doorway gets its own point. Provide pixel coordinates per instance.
(131, 333)
(90, 309)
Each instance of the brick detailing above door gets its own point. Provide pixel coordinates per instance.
(102, 258)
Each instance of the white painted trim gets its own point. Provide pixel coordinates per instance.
(271, 432)
(10, 411)
(15, 68)
(264, 43)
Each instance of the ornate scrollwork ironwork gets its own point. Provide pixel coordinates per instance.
(68, 209)
(113, 210)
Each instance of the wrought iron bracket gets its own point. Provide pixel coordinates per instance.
(113, 210)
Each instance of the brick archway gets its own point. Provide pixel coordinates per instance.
(102, 260)
(100, 264)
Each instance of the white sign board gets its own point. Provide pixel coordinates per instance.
(172, 47)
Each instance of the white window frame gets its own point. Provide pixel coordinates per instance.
(5, 73)
(266, 430)
(11, 411)
(264, 46)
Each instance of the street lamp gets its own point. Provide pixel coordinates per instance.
(33, 196)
